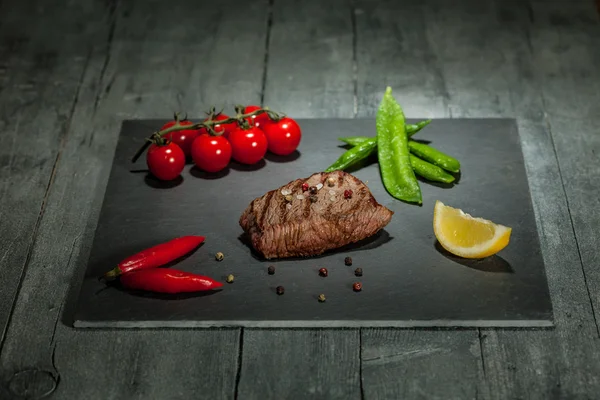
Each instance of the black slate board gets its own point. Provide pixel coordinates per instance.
(408, 281)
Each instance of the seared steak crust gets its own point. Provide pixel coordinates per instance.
(300, 226)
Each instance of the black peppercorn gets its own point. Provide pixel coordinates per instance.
(280, 290)
(348, 260)
(357, 286)
(271, 270)
(358, 272)
(323, 272)
(312, 190)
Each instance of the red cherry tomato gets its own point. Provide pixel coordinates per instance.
(225, 128)
(165, 161)
(283, 136)
(259, 120)
(183, 138)
(248, 146)
(211, 153)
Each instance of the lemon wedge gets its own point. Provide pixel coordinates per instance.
(467, 236)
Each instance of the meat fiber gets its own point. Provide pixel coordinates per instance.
(336, 210)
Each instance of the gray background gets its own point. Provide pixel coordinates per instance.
(408, 280)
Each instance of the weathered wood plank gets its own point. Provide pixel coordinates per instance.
(40, 73)
(531, 364)
(300, 364)
(309, 74)
(310, 68)
(395, 50)
(415, 363)
(140, 67)
(392, 49)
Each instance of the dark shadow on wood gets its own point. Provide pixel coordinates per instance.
(246, 167)
(198, 173)
(155, 183)
(372, 242)
(283, 159)
(495, 263)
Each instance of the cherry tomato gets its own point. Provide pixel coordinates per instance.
(211, 153)
(183, 138)
(283, 136)
(225, 128)
(165, 161)
(248, 146)
(259, 120)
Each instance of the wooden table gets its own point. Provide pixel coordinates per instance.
(71, 71)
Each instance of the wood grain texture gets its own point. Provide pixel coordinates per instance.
(300, 364)
(309, 71)
(401, 364)
(393, 50)
(525, 364)
(39, 84)
(139, 66)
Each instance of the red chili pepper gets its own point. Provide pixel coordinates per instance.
(165, 280)
(156, 256)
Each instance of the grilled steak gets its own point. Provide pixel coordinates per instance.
(336, 210)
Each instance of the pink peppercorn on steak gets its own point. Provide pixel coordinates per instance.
(309, 216)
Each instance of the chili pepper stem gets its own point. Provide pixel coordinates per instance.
(112, 274)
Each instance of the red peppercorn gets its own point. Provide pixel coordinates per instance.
(304, 187)
(323, 272)
(357, 286)
(347, 194)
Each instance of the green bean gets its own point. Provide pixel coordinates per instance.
(392, 151)
(410, 130)
(353, 155)
(434, 156)
(421, 167)
(429, 171)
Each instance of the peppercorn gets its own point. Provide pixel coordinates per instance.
(330, 182)
(229, 278)
(358, 272)
(321, 298)
(357, 286)
(323, 272)
(348, 261)
(288, 197)
(312, 190)
(219, 256)
(347, 194)
(304, 187)
(271, 270)
(280, 290)
(313, 198)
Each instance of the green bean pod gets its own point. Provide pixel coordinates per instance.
(392, 151)
(410, 130)
(429, 171)
(434, 156)
(354, 155)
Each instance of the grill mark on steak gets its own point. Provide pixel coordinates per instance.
(309, 228)
(269, 198)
